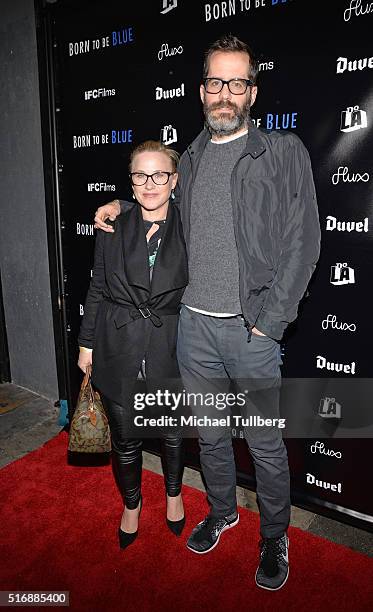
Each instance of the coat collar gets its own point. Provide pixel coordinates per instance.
(135, 248)
(170, 268)
(255, 145)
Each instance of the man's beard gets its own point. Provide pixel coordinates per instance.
(225, 125)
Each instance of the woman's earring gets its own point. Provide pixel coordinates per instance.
(134, 197)
(172, 194)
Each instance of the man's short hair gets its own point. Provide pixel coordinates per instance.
(229, 44)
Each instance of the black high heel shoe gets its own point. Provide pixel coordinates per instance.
(125, 538)
(176, 526)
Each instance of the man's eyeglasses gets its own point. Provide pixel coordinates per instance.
(235, 86)
(159, 178)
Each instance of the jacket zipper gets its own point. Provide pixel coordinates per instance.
(235, 226)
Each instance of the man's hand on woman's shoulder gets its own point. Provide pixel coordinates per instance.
(111, 211)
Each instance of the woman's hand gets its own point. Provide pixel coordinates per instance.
(111, 210)
(85, 358)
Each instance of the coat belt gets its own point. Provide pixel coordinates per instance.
(127, 313)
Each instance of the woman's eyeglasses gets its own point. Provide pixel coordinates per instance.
(159, 178)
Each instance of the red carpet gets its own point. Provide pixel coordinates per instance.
(58, 532)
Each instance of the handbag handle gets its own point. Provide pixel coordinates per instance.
(88, 373)
(87, 376)
(91, 411)
(87, 381)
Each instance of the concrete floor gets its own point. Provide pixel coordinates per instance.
(28, 420)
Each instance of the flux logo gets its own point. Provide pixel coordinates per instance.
(331, 321)
(168, 135)
(167, 6)
(329, 408)
(319, 447)
(165, 51)
(344, 175)
(355, 9)
(353, 118)
(342, 274)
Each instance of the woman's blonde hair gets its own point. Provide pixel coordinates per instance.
(155, 146)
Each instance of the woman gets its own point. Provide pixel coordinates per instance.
(130, 321)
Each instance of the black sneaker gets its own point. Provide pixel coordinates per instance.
(273, 570)
(207, 534)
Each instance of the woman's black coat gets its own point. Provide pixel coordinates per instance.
(113, 324)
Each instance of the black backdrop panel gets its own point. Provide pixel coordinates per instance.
(114, 65)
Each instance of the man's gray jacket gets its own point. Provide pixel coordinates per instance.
(276, 223)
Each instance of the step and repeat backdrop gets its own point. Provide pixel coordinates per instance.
(130, 71)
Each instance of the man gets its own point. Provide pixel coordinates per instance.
(250, 220)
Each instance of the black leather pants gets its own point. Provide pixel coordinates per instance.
(127, 457)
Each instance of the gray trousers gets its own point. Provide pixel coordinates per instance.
(212, 353)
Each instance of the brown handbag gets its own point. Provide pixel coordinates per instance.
(89, 429)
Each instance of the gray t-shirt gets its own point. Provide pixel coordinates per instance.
(213, 258)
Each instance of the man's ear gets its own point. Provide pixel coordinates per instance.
(202, 93)
(254, 91)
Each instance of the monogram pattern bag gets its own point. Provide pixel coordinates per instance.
(89, 429)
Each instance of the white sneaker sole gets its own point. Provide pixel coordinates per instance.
(276, 588)
(204, 552)
(269, 588)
